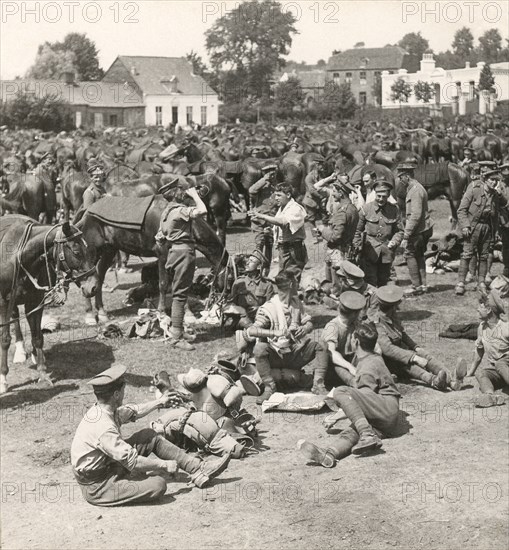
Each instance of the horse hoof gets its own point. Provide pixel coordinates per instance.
(103, 317)
(90, 320)
(45, 379)
(20, 355)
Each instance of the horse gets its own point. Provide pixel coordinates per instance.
(105, 240)
(26, 196)
(73, 185)
(33, 256)
(443, 178)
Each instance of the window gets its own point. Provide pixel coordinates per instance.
(189, 115)
(378, 73)
(348, 78)
(175, 115)
(159, 116)
(78, 119)
(203, 116)
(113, 120)
(362, 98)
(362, 78)
(336, 78)
(98, 120)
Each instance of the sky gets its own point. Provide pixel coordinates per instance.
(174, 28)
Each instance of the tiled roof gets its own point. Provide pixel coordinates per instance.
(308, 79)
(151, 72)
(94, 94)
(390, 57)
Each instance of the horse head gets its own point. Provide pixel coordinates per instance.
(73, 256)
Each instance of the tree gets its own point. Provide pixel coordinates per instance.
(424, 91)
(321, 63)
(87, 56)
(490, 46)
(251, 39)
(199, 67)
(486, 79)
(50, 64)
(463, 43)
(46, 113)
(414, 44)
(288, 94)
(338, 100)
(377, 89)
(400, 91)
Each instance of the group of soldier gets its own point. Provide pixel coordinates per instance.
(359, 354)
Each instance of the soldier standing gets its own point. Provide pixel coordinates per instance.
(504, 217)
(379, 233)
(176, 228)
(44, 173)
(340, 231)
(418, 228)
(478, 217)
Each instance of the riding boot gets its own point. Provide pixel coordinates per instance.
(465, 264)
(483, 269)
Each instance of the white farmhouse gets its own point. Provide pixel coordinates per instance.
(171, 92)
(453, 88)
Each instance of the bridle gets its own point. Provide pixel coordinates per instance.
(61, 260)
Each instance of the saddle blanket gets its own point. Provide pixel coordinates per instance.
(123, 212)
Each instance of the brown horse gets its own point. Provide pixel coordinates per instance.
(105, 240)
(33, 256)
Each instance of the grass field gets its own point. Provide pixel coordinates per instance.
(444, 484)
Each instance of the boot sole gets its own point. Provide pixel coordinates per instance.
(366, 448)
(314, 454)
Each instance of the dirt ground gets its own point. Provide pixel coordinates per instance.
(443, 484)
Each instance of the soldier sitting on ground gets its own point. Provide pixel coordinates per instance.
(372, 405)
(492, 340)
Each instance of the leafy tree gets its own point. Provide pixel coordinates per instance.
(424, 91)
(377, 89)
(50, 64)
(338, 100)
(463, 43)
(199, 67)
(321, 63)
(87, 56)
(490, 46)
(251, 40)
(414, 44)
(45, 113)
(288, 94)
(400, 91)
(486, 78)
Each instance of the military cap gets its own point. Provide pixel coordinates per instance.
(491, 174)
(352, 301)
(109, 379)
(406, 166)
(487, 164)
(390, 294)
(343, 185)
(350, 270)
(382, 185)
(467, 148)
(47, 156)
(269, 168)
(504, 169)
(93, 164)
(259, 256)
(178, 182)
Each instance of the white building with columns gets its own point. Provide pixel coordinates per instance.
(454, 87)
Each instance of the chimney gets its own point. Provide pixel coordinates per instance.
(467, 64)
(427, 63)
(67, 77)
(133, 71)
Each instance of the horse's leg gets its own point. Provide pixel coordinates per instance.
(34, 321)
(220, 221)
(107, 257)
(6, 342)
(20, 355)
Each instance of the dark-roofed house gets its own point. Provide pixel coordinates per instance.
(312, 83)
(171, 92)
(94, 104)
(360, 66)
